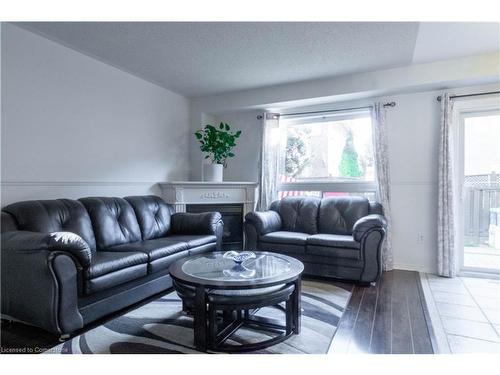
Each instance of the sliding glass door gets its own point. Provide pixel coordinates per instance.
(479, 189)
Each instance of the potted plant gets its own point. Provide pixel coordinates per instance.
(218, 144)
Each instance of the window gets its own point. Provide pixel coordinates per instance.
(327, 155)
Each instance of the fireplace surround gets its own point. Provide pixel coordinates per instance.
(232, 199)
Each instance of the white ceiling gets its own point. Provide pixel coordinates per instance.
(204, 58)
(447, 40)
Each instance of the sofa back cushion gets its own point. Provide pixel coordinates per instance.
(337, 215)
(57, 215)
(113, 220)
(153, 215)
(298, 214)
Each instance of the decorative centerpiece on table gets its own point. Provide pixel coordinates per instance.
(239, 269)
(218, 145)
(237, 257)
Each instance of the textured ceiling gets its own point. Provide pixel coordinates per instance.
(196, 59)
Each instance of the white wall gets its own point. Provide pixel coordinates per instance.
(244, 165)
(73, 126)
(413, 131)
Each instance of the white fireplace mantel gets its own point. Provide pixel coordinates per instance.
(182, 193)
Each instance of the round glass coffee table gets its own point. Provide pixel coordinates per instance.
(225, 295)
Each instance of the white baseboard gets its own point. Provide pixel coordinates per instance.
(413, 267)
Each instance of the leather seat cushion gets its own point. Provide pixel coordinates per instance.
(104, 262)
(163, 247)
(293, 238)
(333, 252)
(194, 240)
(333, 240)
(115, 278)
(164, 263)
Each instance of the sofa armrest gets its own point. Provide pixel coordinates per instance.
(367, 223)
(202, 223)
(66, 242)
(264, 221)
(40, 281)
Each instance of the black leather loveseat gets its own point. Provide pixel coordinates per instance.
(337, 237)
(66, 263)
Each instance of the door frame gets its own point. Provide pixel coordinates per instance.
(463, 109)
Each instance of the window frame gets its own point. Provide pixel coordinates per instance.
(341, 186)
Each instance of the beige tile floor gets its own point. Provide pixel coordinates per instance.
(465, 313)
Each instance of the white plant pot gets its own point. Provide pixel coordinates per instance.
(212, 172)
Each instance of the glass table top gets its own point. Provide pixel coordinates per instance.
(214, 266)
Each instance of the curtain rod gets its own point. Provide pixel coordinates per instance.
(385, 105)
(466, 95)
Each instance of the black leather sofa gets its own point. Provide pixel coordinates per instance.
(337, 237)
(66, 263)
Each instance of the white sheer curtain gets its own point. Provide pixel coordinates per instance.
(268, 183)
(447, 247)
(381, 153)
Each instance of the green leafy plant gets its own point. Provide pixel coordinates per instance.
(217, 143)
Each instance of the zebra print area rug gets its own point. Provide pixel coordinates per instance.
(161, 327)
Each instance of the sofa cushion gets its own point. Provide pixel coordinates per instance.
(299, 214)
(333, 252)
(293, 238)
(113, 220)
(56, 215)
(283, 248)
(337, 215)
(104, 262)
(108, 269)
(153, 249)
(333, 240)
(112, 279)
(153, 215)
(164, 263)
(194, 240)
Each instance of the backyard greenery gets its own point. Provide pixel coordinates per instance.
(296, 153)
(349, 165)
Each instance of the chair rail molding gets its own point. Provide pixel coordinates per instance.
(74, 183)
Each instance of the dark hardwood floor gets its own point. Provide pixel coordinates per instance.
(387, 318)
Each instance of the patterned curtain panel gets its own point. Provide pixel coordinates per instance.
(381, 154)
(447, 248)
(269, 161)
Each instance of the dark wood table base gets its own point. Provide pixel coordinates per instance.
(223, 330)
(215, 323)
